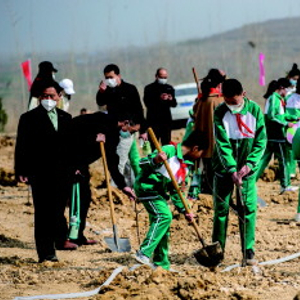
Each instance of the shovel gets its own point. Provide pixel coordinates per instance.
(209, 255)
(115, 244)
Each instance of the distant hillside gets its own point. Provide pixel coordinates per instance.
(235, 51)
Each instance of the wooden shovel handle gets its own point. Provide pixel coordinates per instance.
(196, 80)
(175, 184)
(107, 179)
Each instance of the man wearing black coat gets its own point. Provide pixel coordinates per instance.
(40, 160)
(158, 98)
(86, 132)
(122, 101)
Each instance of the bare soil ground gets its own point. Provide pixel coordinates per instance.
(89, 266)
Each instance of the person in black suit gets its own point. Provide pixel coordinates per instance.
(86, 133)
(40, 160)
(159, 97)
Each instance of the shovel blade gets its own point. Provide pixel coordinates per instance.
(121, 245)
(210, 255)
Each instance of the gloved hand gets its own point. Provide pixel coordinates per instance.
(189, 216)
(129, 192)
(245, 170)
(237, 179)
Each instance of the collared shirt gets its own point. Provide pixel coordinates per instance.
(53, 118)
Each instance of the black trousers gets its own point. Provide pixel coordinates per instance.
(50, 194)
(162, 133)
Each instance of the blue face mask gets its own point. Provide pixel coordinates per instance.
(125, 134)
(293, 82)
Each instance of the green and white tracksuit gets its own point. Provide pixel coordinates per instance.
(292, 108)
(277, 120)
(153, 188)
(240, 140)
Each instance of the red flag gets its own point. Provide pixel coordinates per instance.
(26, 68)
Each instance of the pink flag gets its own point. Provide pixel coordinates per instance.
(26, 68)
(262, 78)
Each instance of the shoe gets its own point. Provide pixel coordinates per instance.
(141, 258)
(52, 258)
(84, 242)
(67, 246)
(250, 260)
(297, 217)
(288, 189)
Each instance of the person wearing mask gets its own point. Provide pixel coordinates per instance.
(293, 76)
(66, 94)
(41, 146)
(121, 100)
(240, 137)
(277, 122)
(210, 98)
(86, 133)
(46, 73)
(159, 97)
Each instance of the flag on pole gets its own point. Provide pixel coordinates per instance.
(262, 77)
(26, 68)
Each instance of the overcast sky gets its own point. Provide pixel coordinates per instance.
(89, 25)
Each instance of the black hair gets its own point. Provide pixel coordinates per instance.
(196, 138)
(83, 110)
(294, 71)
(275, 85)
(232, 87)
(272, 87)
(212, 80)
(49, 84)
(112, 67)
(158, 70)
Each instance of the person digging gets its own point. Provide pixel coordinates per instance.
(240, 143)
(153, 187)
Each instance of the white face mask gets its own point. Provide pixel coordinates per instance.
(48, 104)
(236, 108)
(53, 75)
(111, 82)
(162, 80)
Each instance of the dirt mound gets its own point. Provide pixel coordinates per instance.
(144, 283)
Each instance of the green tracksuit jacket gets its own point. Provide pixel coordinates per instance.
(240, 140)
(153, 182)
(293, 109)
(154, 187)
(277, 119)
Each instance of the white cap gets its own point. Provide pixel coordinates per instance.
(67, 85)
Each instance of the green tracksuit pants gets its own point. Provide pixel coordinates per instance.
(292, 163)
(223, 189)
(279, 149)
(156, 241)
